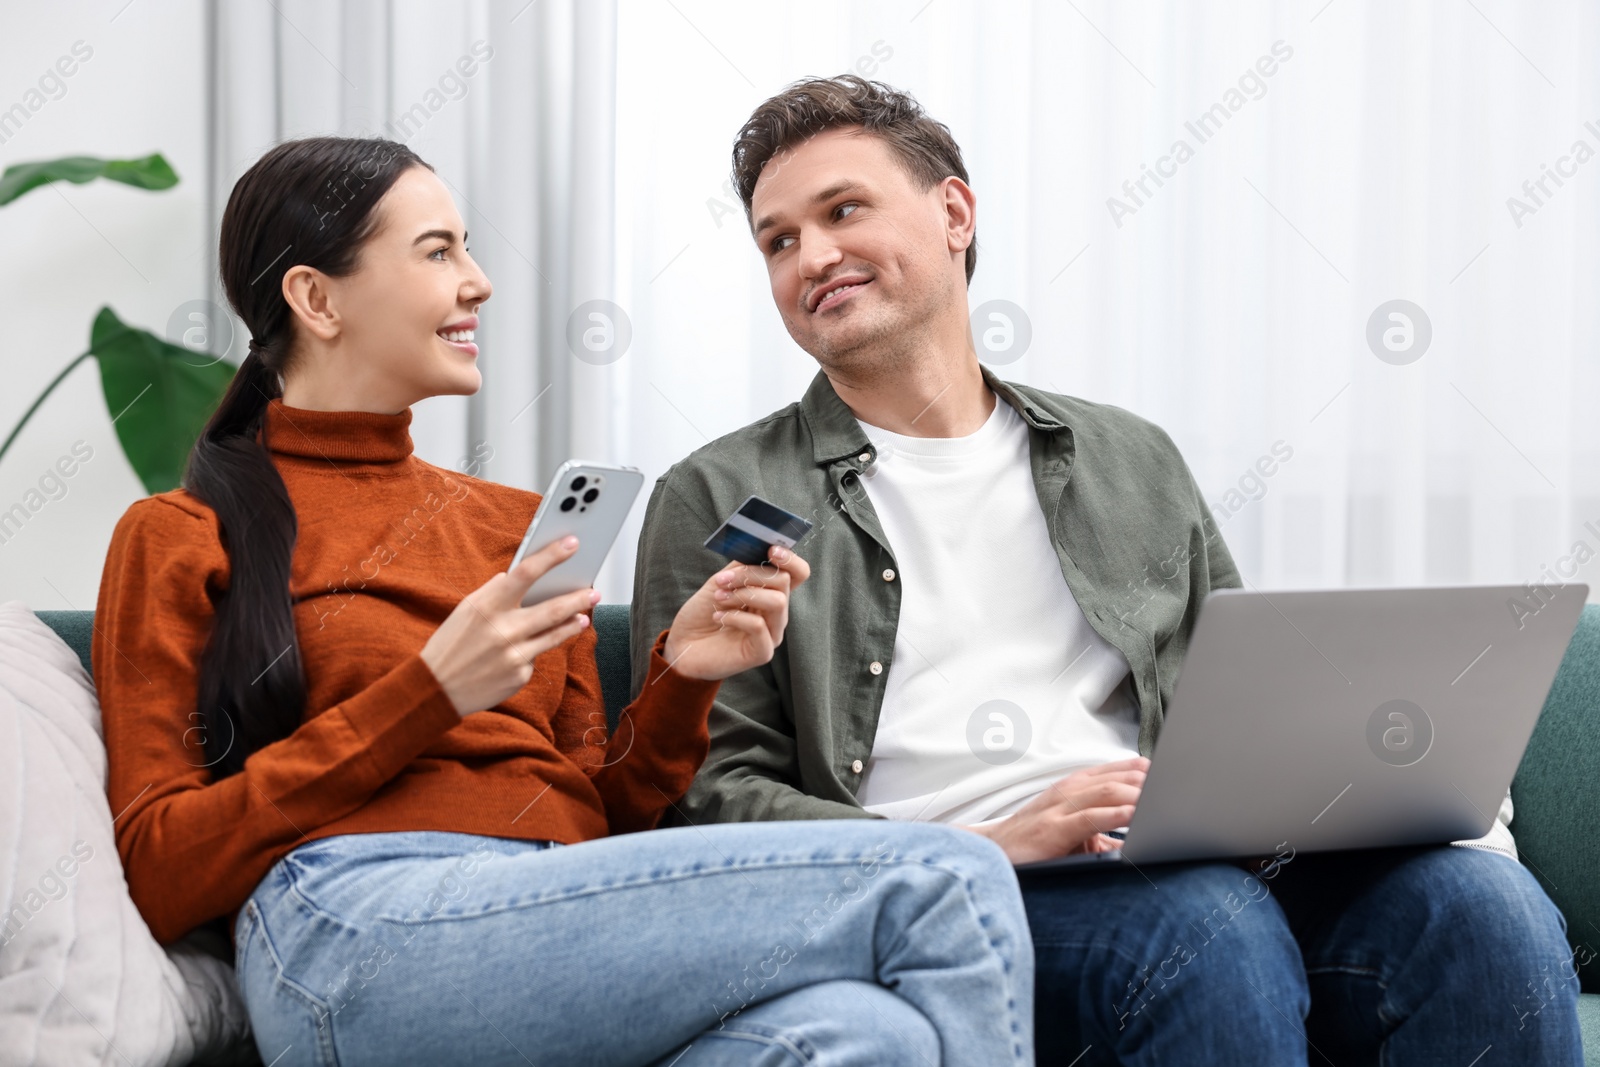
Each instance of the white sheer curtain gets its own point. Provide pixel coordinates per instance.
(513, 105)
(1229, 303)
(1374, 163)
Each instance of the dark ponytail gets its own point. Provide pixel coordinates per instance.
(308, 202)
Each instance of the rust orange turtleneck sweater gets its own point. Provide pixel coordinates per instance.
(387, 547)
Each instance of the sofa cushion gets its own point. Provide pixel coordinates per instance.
(1557, 794)
(611, 655)
(81, 978)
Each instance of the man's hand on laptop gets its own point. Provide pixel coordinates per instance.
(1071, 816)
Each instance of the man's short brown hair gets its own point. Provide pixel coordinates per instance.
(812, 105)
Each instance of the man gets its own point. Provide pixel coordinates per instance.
(1004, 585)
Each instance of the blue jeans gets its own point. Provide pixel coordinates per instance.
(1417, 956)
(842, 942)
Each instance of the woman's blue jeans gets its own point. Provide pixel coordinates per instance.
(827, 942)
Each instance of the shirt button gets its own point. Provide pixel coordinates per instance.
(875, 667)
(888, 574)
(865, 457)
(856, 766)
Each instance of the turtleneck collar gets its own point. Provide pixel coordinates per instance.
(350, 436)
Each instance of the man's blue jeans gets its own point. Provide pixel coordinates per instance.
(758, 944)
(1417, 956)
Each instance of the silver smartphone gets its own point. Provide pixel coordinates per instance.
(590, 501)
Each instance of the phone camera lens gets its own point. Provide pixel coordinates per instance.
(566, 505)
(588, 498)
(579, 482)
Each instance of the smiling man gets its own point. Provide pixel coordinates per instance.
(1004, 584)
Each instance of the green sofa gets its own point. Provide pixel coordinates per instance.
(1556, 791)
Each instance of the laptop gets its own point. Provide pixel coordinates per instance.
(1341, 719)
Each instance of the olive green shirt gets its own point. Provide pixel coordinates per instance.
(1137, 545)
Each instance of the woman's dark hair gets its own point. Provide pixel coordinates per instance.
(308, 202)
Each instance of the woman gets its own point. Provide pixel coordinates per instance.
(329, 720)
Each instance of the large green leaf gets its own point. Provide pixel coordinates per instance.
(159, 396)
(151, 172)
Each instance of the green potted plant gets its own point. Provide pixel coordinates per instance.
(159, 398)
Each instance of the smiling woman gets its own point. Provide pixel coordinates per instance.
(320, 337)
(400, 328)
(347, 767)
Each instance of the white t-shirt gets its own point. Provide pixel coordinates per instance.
(998, 686)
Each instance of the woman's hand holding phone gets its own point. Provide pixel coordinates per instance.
(736, 619)
(484, 651)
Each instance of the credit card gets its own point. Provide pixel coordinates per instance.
(755, 527)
